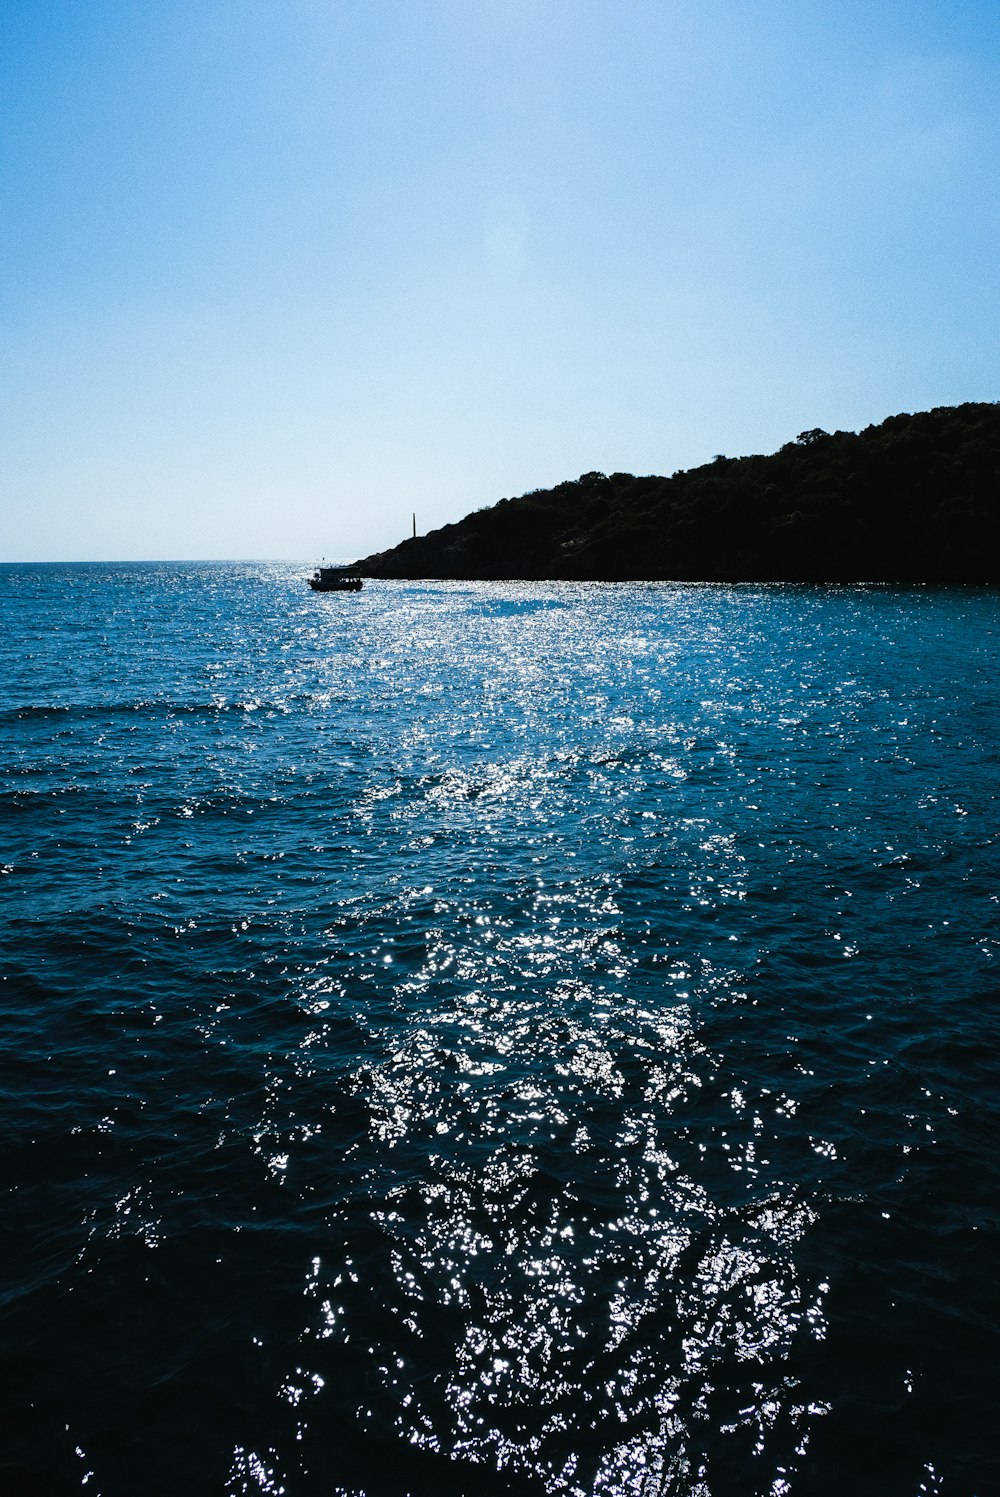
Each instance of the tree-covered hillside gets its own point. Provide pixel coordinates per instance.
(914, 499)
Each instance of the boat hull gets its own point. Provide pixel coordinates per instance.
(336, 584)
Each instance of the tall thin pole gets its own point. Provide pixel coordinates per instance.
(414, 524)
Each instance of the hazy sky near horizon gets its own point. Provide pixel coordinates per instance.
(274, 275)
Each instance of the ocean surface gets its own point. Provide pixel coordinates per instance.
(467, 1039)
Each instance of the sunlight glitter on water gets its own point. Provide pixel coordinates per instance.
(547, 1031)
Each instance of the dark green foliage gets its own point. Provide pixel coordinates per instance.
(914, 499)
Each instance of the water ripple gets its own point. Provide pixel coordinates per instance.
(503, 1038)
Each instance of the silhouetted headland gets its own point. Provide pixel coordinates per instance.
(914, 499)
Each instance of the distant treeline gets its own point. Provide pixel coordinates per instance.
(914, 499)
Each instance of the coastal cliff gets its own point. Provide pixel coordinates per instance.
(913, 499)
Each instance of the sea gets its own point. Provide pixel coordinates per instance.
(478, 1038)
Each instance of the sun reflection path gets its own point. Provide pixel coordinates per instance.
(567, 1249)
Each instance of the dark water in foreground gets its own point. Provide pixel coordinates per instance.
(467, 1039)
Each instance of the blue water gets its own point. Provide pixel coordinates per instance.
(484, 1038)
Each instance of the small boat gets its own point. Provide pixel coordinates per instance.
(335, 580)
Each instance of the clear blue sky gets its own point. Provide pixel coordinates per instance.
(273, 275)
